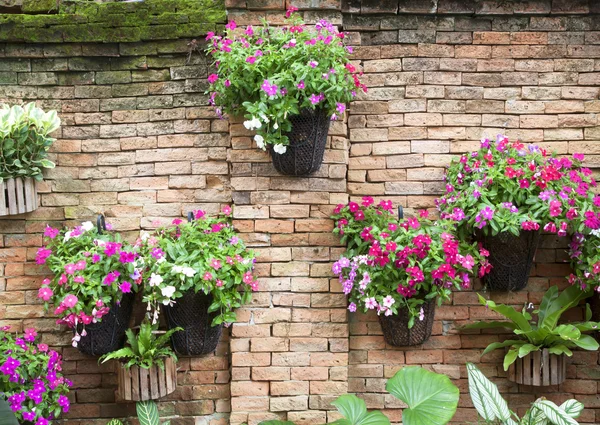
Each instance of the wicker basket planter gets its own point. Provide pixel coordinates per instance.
(190, 312)
(539, 368)
(139, 384)
(395, 327)
(511, 257)
(18, 196)
(109, 334)
(308, 138)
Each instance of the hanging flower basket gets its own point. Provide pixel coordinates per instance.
(395, 328)
(18, 196)
(108, 334)
(139, 384)
(308, 138)
(190, 312)
(511, 258)
(538, 368)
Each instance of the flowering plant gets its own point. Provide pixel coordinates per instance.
(408, 263)
(31, 379)
(91, 272)
(202, 255)
(268, 74)
(509, 187)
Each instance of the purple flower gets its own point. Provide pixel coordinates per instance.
(268, 88)
(63, 402)
(487, 213)
(301, 85)
(9, 366)
(352, 307)
(340, 108)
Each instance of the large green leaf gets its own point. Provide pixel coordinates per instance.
(355, 412)
(431, 398)
(7, 417)
(572, 407)
(554, 413)
(147, 412)
(495, 345)
(587, 343)
(509, 312)
(568, 298)
(486, 398)
(490, 325)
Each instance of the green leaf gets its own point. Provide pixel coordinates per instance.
(510, 357)
(568, 332)
(147, 412)
(572, 407)
(495, 345)
(355, 412)
(7, 417)
(587, 343)
(490, 325)
(115, 422)
(560, 349)
(486, 398)
(554, 413)
(526, 349)
(431, 398)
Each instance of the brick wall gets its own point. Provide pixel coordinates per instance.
(140, 144)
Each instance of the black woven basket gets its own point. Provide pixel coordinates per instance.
(308, 138)
(108, 334)
(511, 258)
(190, 312)
(395, 327)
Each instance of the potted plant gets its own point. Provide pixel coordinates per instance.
(493, 408)
(147, 370)
(409, 265)
(24, 143)
(505, 193)
(198, 273)
(288, 82)
(95, 276)
(31, 381)
(537, 355)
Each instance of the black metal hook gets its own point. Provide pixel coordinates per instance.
(400, 212)
(101, 223)
(190, 216)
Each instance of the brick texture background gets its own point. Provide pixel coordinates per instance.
(140, 144)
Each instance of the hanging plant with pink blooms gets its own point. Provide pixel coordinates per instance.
(269, 74)
(205, 256)
(92, 271)
(31, 379)
(402, 264)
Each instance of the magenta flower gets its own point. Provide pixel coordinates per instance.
(313, 64)
(42, 255)
(249, 31)
(30, 334)
(301, 85)
(268, 88)
(207, 276)
(226, 210)
(70, 268)
(250, 59)
(341, 108)
(51, 232)
(69, 301)
(125, 287)
(126, 257)
(215, 264)
(352, 307)
(45, 293)
(579, 156)
(314, 98)
(231, 25)
(248, 278)
(95, 258)
(63, 402)
(290, 10)
(209, 35)
(212, 78)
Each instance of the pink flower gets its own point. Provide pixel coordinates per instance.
(248, 278)
(70, 268)
(45, 293)
(249, 31)
(95, 258)
(250, 59)
(268, 88)
(212, 78)
(226, 210)
(177, 221)
(367, 201)
(126, 257)
(215, 264)
(301, 85)
(219, 283)
(579, 156)
(290, 10)
(359, 215)
(42, 255)
(207, 276)
(199, 214)
(353, 207)
(42, 347)
(80, 265)
(69, 301)
(555, 208)
(231, 25)
(209, 35)
(79, 279)
(63, 279)
(125, 287)
(51, 232)
(392, 227)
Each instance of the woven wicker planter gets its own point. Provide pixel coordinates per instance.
(308, 138)
(539, 368)
(190, 312)
(18, 196)
(395, 328)
(108, 334)
(511, 257)
(139, 384)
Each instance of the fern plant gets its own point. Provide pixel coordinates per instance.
(545, 332)
(144, 349)
(494, 410)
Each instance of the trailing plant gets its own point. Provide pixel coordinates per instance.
(545, 332)
(31, 381)
(269, 74)
(493, 408)
(25, 140)
(204, 255)
(146, 349)
(92, 271)
(402, 264)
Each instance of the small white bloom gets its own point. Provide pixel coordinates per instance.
(275, 126)
(279, 148)
(188, 271)
(252, 124)
(177, 269)
(155, 317)
(144, 236)
(155, 279)
(260, 141)
(161, 260)
(67, 236)
(168, 291)
(264, 118)
(293, 40)
(87, 226)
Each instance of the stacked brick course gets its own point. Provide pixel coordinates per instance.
(140, 144)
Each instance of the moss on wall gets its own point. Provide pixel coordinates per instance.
(78, 21)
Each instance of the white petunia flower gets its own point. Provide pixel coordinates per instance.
(252, 124)
(87, 226)
(188, 271)
(177, 269)
(155, 279)
(279, 148)
(144, 236)
(67, 236)
(275, 126)
(168, 291)
(260, 141)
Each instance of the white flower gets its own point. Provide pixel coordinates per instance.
(144, 236)
(279, 148)
(161, 260)
(252, 124)
(275, 126)
(388, 301)
(177, 269)
(264, 118)
(155, 279)
(188, 271)
(67, 236)
(168, 291)
(87, 226)
(260, 141)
